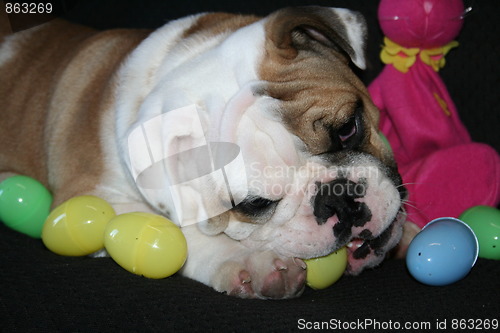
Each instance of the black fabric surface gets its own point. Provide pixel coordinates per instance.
(43, 292)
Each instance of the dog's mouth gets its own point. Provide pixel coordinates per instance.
(357, 248)
(359, 255)
(364, 253)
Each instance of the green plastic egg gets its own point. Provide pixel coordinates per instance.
(24, 204)
(485, 222)
(385, 141)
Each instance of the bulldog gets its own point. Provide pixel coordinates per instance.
(252, 134)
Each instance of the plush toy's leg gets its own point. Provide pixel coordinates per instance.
(449, 181)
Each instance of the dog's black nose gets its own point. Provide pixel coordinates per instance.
(337, 198)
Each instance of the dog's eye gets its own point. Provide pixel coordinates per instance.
(255, 206)
(260, 203)
(348, 130)
(350, 134)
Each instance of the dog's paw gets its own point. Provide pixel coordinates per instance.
(261, 275)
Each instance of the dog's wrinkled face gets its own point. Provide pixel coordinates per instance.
(348, 189)
(318, 176)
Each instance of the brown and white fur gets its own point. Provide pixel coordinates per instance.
(279, 88)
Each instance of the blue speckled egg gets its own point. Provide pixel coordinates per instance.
(443, 252)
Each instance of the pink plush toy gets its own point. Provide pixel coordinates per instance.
(443, 170)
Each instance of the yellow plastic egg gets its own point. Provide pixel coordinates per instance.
(76, 227)
(146, 244)
(322, 272)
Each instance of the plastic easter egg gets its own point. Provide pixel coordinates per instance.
(385, 141)
(485, 222)
(322, 272)
(76, 227)
(443, 252)
(146, 244)
(24, 204)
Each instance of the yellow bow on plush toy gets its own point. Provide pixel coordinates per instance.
(403, 58)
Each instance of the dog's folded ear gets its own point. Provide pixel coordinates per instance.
(318, 29)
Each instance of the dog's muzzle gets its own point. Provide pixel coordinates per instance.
(338, 198)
